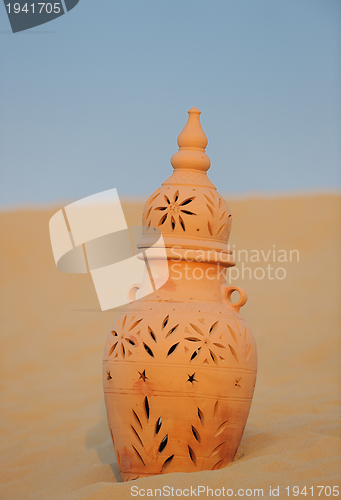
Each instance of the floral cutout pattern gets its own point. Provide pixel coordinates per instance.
(175, 211)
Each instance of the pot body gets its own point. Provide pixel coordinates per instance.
(179, 373)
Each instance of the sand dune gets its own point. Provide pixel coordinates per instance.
(55, 440)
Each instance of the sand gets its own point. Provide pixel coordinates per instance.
(55, 442)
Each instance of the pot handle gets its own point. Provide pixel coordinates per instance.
(133, 291)
(227, 292)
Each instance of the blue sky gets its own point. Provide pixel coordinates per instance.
(96, 98)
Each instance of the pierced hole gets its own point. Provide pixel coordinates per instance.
(114, 333)
(123, 350)
(196, 434)
(216, 450)
(167, 199)
(162, 220)
(173, 223)
(158, 425)
(135, 324)
(230, 215)
(166, 463)
(213, 356)
(172, 349)
(187, 201)
(151, 333)
(219, 345)
(201, 417)
(138, 437)
(161, 208)
(137, 453)
(192, 339)
(146, 406)
(182, 223)
(163, 444)
(192, 455)
(234, 354)
(221, 428)
(213, 327)
(171, 331)
(148, 349)
(109, 377)
(113, 347)
(197, 329)
(131, 342)
(165, 321)
(195, 354)
(217, 465)
(176, 196)
(137, 419)
(188, 212)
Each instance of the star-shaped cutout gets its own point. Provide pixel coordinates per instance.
(191, 378)
(143, 375)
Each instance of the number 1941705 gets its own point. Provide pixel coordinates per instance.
(35, 7)
(313, 490)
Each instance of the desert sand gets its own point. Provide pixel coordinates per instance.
(55, 441)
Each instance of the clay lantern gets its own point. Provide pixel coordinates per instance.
(180, 363)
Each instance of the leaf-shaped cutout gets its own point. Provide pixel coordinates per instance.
(193, 339)
(187, 212)
(182, 223)
(135, 324)
(195, 354)
(172, 349)
(221, 428)
(138, 437)
(114, 333)
(217, 449)
(215, 409)
(213, 356)
(234, 336)
(163, 220)
(148, 213)
(222, 215)
(221, 229)
(123, 351)
(234, 354)
(217, 465)
(213, 328)
(219, 345)
(148, 349)
(113, 347)
(209, 227)
(124, 321)
(154, 198)
(166, 463)
(151, 333)
(146, 407)
(158, 425)
(201, 417)
(164, 322)
(209, 199)
(163, 444)
(176, 196)
(248, 354)
(173, 223)
(131, 342)
(196, 434)
(160, 208)
(197, 329)
(167, 199)
(172, 330)
(137, 453)
(210, 193)
(192, 455)
(187, 201)
(149, 224)
(137, 419)
(210, 209)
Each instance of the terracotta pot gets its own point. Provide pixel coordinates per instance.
(180, 364)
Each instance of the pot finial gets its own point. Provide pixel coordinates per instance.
(192, 142)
